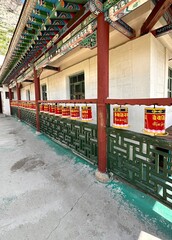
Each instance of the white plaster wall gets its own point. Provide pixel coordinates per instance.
(130, 69)
(58, 84)
(24, 90)
(158, 70)
(5, 102)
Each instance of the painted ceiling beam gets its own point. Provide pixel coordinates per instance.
(37, 23)
(162, 30)
(125, 29)
(28, 80)
(48, 67)
(157, 12)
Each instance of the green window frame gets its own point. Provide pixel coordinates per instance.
(170, 82)
(28, 94)
(44, 92)
(77, 86)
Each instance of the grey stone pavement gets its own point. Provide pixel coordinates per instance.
(48, 193)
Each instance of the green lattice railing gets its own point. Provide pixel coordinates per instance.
(28, 116)
(143, 161)
(14, 111)
(81, 137)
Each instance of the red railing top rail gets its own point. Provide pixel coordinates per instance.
(141, 101)
(26, 101)
(70, 101)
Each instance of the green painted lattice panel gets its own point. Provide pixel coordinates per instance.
(143, 161)
(81, 137)
(14, 111)
(28, 116)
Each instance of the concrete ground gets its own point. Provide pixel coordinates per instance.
(48, 193)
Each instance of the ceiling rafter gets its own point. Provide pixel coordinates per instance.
(157, 12)
(162, 30)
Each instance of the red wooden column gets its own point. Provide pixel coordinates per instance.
(18, 97)
(103, 93)
(10, 98)
(37, 97)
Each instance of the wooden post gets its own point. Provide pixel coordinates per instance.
(102, 94)
(37, 97)
(18, 98)
(10, 98)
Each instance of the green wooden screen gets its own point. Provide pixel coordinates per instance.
(143, 161)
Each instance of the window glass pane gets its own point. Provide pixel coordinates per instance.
(7, 95)
(44, 92)
(77, 88)
(81, 77)
(169, 82)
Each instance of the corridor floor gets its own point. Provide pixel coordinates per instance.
(48, 193)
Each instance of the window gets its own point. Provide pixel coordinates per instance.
(28, 95)
(7, 95)
(44, 92)
(170, 82)
(77, 86)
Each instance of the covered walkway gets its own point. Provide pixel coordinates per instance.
(48, 193)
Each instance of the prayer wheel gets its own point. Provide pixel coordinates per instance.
(155, 121)
(41, 107)
(65, 111)
(86, 113)
(120, 117)
(58, 110)
(33, 106)
(51, 109)
(46, 108)
(30, 105)
(75, 112)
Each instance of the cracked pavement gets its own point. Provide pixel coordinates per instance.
(45, 194)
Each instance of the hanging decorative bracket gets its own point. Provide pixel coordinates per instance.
(96, 6)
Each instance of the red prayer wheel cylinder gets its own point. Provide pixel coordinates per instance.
(154, 121)
(41, 107)
(66, 111)
(58, 110)
(86, 113)
(120, 117)
(46, 108)
(75, 112)
(33, 106)
(30, 106)
(51, 109)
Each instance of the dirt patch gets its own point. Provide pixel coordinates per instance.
(20, 142)
(13, 132)
(56, 175)
(27, 164)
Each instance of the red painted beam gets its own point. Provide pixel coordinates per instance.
(123, 28)
(155, 15)
(103, 88)
(84, 101)
(143, 101)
